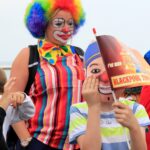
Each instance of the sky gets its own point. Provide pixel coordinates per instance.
(127, 20)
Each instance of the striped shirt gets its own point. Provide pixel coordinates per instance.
(114, 136)
(55, 88)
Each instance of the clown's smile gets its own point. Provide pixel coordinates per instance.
(103, 89)
(62, 37)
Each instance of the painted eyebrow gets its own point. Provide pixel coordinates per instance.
(58, 19)
(62, 19)
(93, 65)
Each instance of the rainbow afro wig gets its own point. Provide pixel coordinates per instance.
(39, 12)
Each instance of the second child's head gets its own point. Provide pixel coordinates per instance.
(94, 66)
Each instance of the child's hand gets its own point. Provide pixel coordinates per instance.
(9, 86)
(90, 91)
(124, 115)
(6, 97)
(9, 97)
(17, 98)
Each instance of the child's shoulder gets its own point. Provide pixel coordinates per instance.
(128, 101)
(131, 103)
(80, 105)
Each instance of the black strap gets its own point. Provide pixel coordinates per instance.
(79, 52)
(33, 62)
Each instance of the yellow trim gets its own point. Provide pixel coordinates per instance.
(92, 57)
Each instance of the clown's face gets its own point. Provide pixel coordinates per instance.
(97, 69)
(60, 27)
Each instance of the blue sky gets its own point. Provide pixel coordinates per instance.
(127, 20)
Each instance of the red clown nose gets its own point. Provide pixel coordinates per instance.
(65, 29)
(104, 77)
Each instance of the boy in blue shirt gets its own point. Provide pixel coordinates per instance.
(99, 122)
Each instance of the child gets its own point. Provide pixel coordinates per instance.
(24, 109)
(101, 123)
(19, 105)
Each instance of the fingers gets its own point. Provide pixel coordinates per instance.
(85, 83)
(120, 108)
(90, 82)
(120, 116)
(96, 82)
(9, 84)
(17, 98)
(119, 105)
(124, 118)
(90, 88)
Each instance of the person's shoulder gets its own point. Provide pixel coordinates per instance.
(127, 100)
(23, 55)
(24, 50)
(135, 106)
(20, 63)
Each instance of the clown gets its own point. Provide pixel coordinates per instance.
(99, 122)
(59, 75)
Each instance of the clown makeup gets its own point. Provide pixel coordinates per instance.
(65, 29)
(97, 69)
(61, 27)
(60, 23)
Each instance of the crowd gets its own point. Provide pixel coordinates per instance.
(62, 98)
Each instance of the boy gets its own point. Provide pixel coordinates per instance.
(20, 107)
(24, 106)
(99, 123)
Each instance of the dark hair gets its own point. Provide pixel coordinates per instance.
(3, 80)
(133, 90)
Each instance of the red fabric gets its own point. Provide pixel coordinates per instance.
(145, 98)
(148, 139)
(145, 101)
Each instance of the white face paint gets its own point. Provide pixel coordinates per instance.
(97, 69)
(62, 37)
(60, 28)
(103, 89)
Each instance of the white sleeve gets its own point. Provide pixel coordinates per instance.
(27, 109)
(23, 112)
